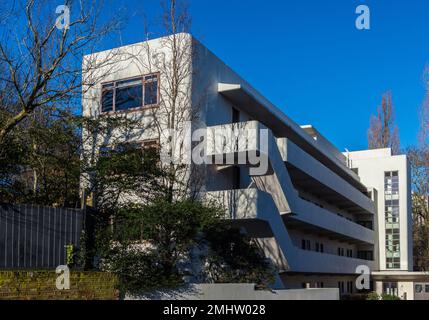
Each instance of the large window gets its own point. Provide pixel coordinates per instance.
(130, 94)
(391, 214)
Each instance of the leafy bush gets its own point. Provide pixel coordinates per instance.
(150, 247)
(139, 272)
(385, 296)
(233, 257)
(147, 242)
(373, 296)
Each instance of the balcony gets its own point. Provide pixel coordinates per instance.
(316, 262)
(244, 139)
(309, 174)
(256, 211)
(244, 97)
(268, 209)
(244, 204)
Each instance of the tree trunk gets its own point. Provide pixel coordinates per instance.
(11, 123)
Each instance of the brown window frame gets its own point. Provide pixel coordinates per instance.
(143, 107)
(143, 144)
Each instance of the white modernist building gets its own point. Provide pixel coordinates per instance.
(319, 214)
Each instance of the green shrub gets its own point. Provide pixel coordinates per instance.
(385, 296)
(373, 296)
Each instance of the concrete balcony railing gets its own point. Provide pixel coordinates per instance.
(243, 96)
(242, 204)
(317, 176)
(275, 197)
(255, 205)
(310, 261)
(257, 211)
(245, 139)
(248, 203)
(313, 215)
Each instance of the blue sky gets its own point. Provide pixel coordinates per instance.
(307, 57)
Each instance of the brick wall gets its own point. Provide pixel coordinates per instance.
(40, 285)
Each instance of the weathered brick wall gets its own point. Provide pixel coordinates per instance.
(40, 285)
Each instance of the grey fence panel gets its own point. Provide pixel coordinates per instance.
(34, 237)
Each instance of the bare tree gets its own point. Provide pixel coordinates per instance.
(383, 132)
(419, 160)
(424, 114)
(42, 62)
(176, 111)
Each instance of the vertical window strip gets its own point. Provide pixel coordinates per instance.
(392, 242)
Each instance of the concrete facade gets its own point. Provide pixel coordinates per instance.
(237, 292)
(318, 213)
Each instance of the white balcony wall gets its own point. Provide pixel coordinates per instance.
(303, 161)
(276, 181)
(253, 204)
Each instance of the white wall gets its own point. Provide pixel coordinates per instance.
(237, 292)
(372, 165)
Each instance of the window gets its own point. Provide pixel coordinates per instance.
(391, 214)
(366, 224)
(151, 90)
(319, 247)
(419, 288)
(349, 286)
(236, 173)
(306, 244)
(235, 115)
(365, 255)
(130, 94)
(350, 253)
(341, 287)
(107, 151)
(107, 97)
(139, 148)
(341, 252)
(390, 288)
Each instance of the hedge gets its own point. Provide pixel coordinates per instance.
(40, 285)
